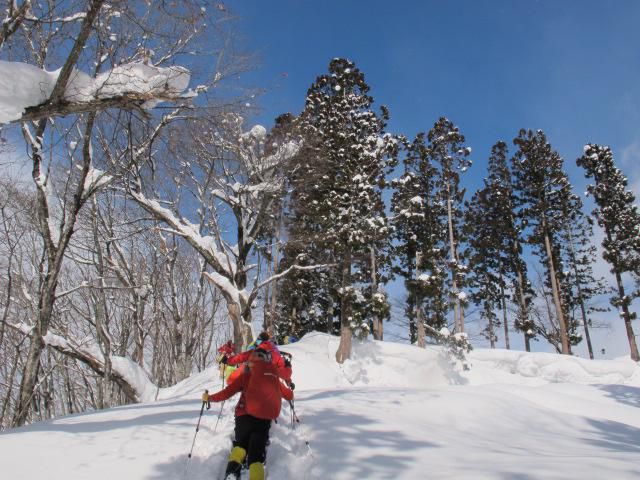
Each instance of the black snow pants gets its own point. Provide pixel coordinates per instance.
(252, 434)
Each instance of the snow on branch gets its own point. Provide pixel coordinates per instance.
(205, 245)
(129, 376)
(14, 17)
(25, 89)
(228, 289)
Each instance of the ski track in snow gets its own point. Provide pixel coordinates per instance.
(393, 411)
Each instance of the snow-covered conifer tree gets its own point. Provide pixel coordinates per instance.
(496, 266)
(542, 191)
(446, 150)
(618, 216)
(338, 187)
(420, 228)
(579, 255)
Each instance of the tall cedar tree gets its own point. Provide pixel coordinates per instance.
(579, 255)
(269, 241)
(446, 150)
(496, 263)
(420, 229)
(542, 191)
(311, 296)
(337, 196)
(619, 218)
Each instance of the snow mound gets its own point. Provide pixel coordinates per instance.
(373, 364)
(508, 366)
(394, 365)
(392, 411)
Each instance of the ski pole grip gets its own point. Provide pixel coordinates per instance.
(208, 401)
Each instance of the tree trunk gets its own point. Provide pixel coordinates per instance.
(583, 310)
(377, 323)
(633, 347)
(458, 314)
(37, 345)
(492, 337)
(419, 313)
(505, 324)
(556, 295)
(242, 335)
(274, 286)
(102, 320)
(585, 320)
(344, 349)
(523, 308)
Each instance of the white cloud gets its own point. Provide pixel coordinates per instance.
(630, 166)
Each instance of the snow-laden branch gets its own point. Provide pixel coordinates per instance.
(129, 376)
(72, 290)
(26, 90)
(14, 17)
(228, 289)
(205, 245)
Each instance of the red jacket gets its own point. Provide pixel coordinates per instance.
(262, 392)
(284, 371)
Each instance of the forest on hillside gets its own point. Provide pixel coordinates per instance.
(158, 222)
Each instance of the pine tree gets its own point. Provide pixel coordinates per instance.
(579, 256)
(339, 183)
(420, 229)
(619, 218)
(484, 261)
(446, 149)
(542, 191)
(496, 262)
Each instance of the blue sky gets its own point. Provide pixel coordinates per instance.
(571, 68)
(568, 67)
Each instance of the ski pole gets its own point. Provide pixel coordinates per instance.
(294, 416)
(219, 415)
(224, 371)
(208, 405)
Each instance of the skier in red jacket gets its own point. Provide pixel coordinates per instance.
(263, 342)
(259, 403)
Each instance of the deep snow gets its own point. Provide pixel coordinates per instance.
(393, 411)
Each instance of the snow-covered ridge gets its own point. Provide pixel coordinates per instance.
(392, 411)
(23, 85)
(386, 364)
(549, 368)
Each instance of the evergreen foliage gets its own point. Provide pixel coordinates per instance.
(579, 255)
(496, 263)
(541, 188)
(420, 231)
(336, 206)
(618, 216)
(446, 149)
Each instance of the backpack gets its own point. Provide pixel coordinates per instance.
(262, 393)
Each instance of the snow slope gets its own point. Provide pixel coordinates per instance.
(394, 411)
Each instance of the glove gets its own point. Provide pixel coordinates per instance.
(292, 386)
(205, 397)
(224, 360)
(287, 363)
